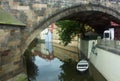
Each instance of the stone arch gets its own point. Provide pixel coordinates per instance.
(62, 13)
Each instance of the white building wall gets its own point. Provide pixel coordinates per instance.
(90, 46)
(86, 46)
(107, 63)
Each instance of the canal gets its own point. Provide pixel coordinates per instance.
(46, 62)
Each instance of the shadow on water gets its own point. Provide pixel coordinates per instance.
(71, 74)
(45, 64)
(32, 69)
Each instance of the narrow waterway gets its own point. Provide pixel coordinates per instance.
(49, 63)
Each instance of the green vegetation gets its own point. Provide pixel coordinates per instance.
(31, 67)
(23, 77)
(69, 29)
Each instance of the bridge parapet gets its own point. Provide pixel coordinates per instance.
(31, 11)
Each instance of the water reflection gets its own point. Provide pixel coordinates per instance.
(71, 74)
(48, 70)
(44, 50)
(49, 47)
(60, 65)
(32, 69)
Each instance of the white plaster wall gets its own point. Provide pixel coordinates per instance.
(107, 63)
(90, 42)
(86, 46)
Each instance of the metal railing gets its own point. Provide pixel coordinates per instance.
(109, 43)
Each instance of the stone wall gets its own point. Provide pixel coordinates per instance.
(69, 52)
(11, 60)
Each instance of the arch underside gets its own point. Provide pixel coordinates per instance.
(98, 20)
(96, 16)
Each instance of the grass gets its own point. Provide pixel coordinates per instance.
(22, 78)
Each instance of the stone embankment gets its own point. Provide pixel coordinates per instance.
(73, 46)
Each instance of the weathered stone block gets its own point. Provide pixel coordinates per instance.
(13, 43)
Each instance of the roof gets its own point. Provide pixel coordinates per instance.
(8, 19)
(114, 24)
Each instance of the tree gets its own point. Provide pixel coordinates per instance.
(68, 30)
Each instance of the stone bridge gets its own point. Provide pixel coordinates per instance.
(23, 20)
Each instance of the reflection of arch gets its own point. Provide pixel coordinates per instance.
(85, 9)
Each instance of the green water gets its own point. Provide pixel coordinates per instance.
(48, 63)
